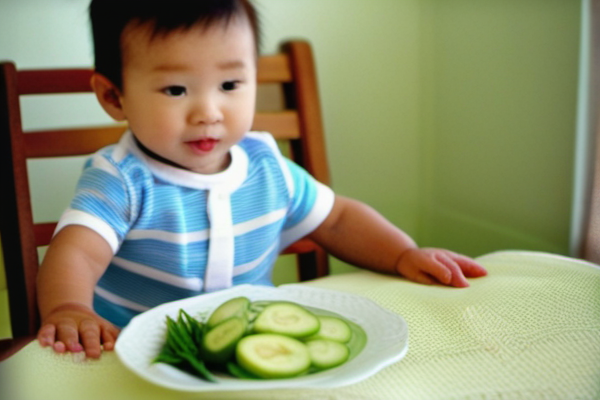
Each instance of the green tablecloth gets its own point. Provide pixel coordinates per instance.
(529, 330)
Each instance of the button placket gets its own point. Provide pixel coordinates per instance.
(219, 268)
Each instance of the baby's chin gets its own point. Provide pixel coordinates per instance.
(210, 165)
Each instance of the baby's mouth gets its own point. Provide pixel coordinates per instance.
(204, 145)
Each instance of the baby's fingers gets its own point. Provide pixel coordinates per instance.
(67, 334)
(109, 337)
(457, 278)
(423, 267)
(89, 332)
(423, 278)
(469, 267)
(47, 335)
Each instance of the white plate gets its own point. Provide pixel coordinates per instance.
(387, 339)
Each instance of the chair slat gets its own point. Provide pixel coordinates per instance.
(80, 141)
(54, 81)
(283, 125)
(43, 233)
(300, 247)
(274, 69)
(70, 142)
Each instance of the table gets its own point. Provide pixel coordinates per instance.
(529, 330)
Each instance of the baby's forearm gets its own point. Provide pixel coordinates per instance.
(74, 262)
(359, 235)
(54, 292)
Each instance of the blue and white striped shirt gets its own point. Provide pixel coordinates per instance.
(176, 233)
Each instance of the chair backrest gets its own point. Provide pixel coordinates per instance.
(298, 122)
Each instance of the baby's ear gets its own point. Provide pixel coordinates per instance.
(108, 95)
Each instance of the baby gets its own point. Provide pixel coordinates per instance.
(190, 201)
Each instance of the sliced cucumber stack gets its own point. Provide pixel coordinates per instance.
(288, 319)
(270, 355)
(236, 307)
(218, 343)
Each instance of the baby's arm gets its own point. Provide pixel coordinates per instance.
(357, 234)
(76, 259)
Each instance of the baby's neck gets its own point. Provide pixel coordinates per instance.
(155, 156)
(163, 160)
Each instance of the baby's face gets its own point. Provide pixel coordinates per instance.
(190, 95)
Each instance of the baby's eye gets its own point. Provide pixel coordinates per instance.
(229, 85)
(175, 91)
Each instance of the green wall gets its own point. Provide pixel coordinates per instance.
(367, 55)
(454, 118)
(499, 118)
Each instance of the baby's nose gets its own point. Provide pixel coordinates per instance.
(205, 111)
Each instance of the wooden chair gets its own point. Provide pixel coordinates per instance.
(299, 123)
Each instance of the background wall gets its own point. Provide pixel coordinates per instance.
(499, 117)
(454, 118)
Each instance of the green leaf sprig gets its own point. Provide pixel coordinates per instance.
(182, 347)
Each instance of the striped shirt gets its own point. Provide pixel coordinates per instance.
(176, 233)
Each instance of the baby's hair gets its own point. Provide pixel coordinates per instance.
(109, 18)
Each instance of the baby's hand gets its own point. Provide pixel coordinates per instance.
(74, 327)
(429, 266)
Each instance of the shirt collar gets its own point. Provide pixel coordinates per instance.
(227, 181)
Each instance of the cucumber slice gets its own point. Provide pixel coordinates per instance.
(236, 307)
(332, 328)
(287, 319)
(326, 354)
(272, 356)
(218, 344)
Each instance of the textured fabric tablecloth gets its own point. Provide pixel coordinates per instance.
(529, 330)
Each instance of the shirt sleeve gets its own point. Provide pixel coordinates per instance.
(101, 202)
(310, 204)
